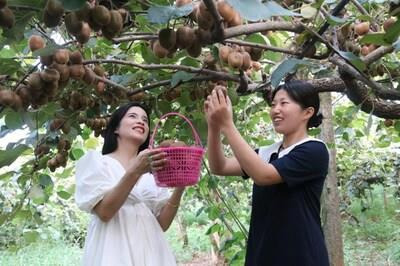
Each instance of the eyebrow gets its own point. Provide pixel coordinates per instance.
(134, 113)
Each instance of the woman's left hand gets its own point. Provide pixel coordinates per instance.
(219, 109)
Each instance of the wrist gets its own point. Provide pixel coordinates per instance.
(169, 203)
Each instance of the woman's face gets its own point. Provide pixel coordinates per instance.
(287, 115)
(134, 125)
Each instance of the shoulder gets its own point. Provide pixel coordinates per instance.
(313, 150)
(90, 157)
(313, 145)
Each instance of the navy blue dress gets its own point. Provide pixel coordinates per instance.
(285, 225)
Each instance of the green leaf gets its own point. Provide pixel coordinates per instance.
(48, 50)
(353, 59)
(64, 194)
(374, 38)
(31, 236)
(334, 21)
(397, 125)
(13, 119)
(72, 5)
(283, 69)
(255, 38)
(77, 153)
(7, 157)
(45, 180)
(9, 66)
(255, 10)
(7, 175)
(163, 14)
(181, 76)
(393, 32)
(214, 228)
(91, 143)
(308, 11)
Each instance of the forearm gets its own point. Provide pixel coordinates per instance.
(115, 198)
(216, 157)
(168, 212)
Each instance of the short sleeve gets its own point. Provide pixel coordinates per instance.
(92, 181)
(245, 175)
(307, 161)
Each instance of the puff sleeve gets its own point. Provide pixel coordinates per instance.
(92, 180)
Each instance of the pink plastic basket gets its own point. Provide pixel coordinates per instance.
(184, 163)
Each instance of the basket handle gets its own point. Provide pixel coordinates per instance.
(196, 136)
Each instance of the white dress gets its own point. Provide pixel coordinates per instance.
(133, 237)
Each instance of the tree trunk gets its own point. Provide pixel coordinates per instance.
(331, 220)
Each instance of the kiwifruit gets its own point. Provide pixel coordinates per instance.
(51, 89)
(209, 59)
(388, 23)
(203, 36)
(99, 70)
(75, 57)
(108, 34)
(7, 18)
(388, 122)
(364, 50)
(225, 10)
(256, 53)
(84, 35)
(62, 144)
(60, 158)
(101, 15)
(185, 37)
(35, 81)
(256, 65)
(46, 60)
(49, 75)
(193, 14)
(124, 14)
(362, 28)
(100, 87)
(94, 25)
(194, 50)
(36, 42)
(61, 56)
(159, 51)
(63, 70)
(223, 53)
(56, 124)
(66, 128)
(236, 21)
(55, 8)
(72, 23)
(178, 143)
(84, 12)
(246, 61)
(167, 38)
(180, 3)
(3, 3)
(7, 97)
(52, 164)
(89, 77)
(25, 95)
(76, 71)
(310, 51)
(235, 59)
(137, 97)
(116, 22)
(51, 21)
(204, 19)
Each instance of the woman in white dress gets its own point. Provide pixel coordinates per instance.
(130, 213)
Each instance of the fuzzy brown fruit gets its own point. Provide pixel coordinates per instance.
(159, 51)
(362, 28)
(101, 15)
(137, 97)
(364, 50)
(167, 38)
(76, 71)
(46, 60)
(178, 143)
(36, 42)
(56, 124)
(3, 3)
(35, 81)
(204, 19)
(388, 23)
(225, 10)
(180, 3)
(223, 53)
(235, 60)
(72, 23)
(55, 8)
(84, 35)
(89, 77)
(236, 21)
(185, 36)
(116, 22)
(246, 61)
(7, 98)
(100, 87)
(83, 13)
(50, 75)
(63, 70)
(75, 57)
(256, 53)
(99, 70)
(388, 122)
(7, 18)
(166, 143)
(61, 56)
(194, 50)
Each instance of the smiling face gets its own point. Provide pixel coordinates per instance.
(134, 126)
(287, 115)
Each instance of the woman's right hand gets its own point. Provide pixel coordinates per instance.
(147, 161)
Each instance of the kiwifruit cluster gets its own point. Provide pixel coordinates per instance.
(236, 57)
(138, 97)
(53, 13)
(97, 124)
(7, 17)
(171, 94)
(76, 101)
(41, 150)
(172, 143)
(90, 17)
(61, 157)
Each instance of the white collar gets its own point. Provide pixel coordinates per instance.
(266, 151)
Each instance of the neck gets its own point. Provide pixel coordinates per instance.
(290, 139)
(125, 151)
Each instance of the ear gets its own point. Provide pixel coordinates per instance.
(308, 112)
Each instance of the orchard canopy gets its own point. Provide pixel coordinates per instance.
(65, 64)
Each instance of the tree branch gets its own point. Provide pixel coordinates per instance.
(262, 26)
(128, 38)
(378, 53)
(263, 46)
(218, 31)
(215, 74)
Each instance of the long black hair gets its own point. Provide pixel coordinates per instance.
(305, 95)
(111, 138)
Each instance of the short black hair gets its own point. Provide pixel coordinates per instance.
(305, 95)
(111, 138)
